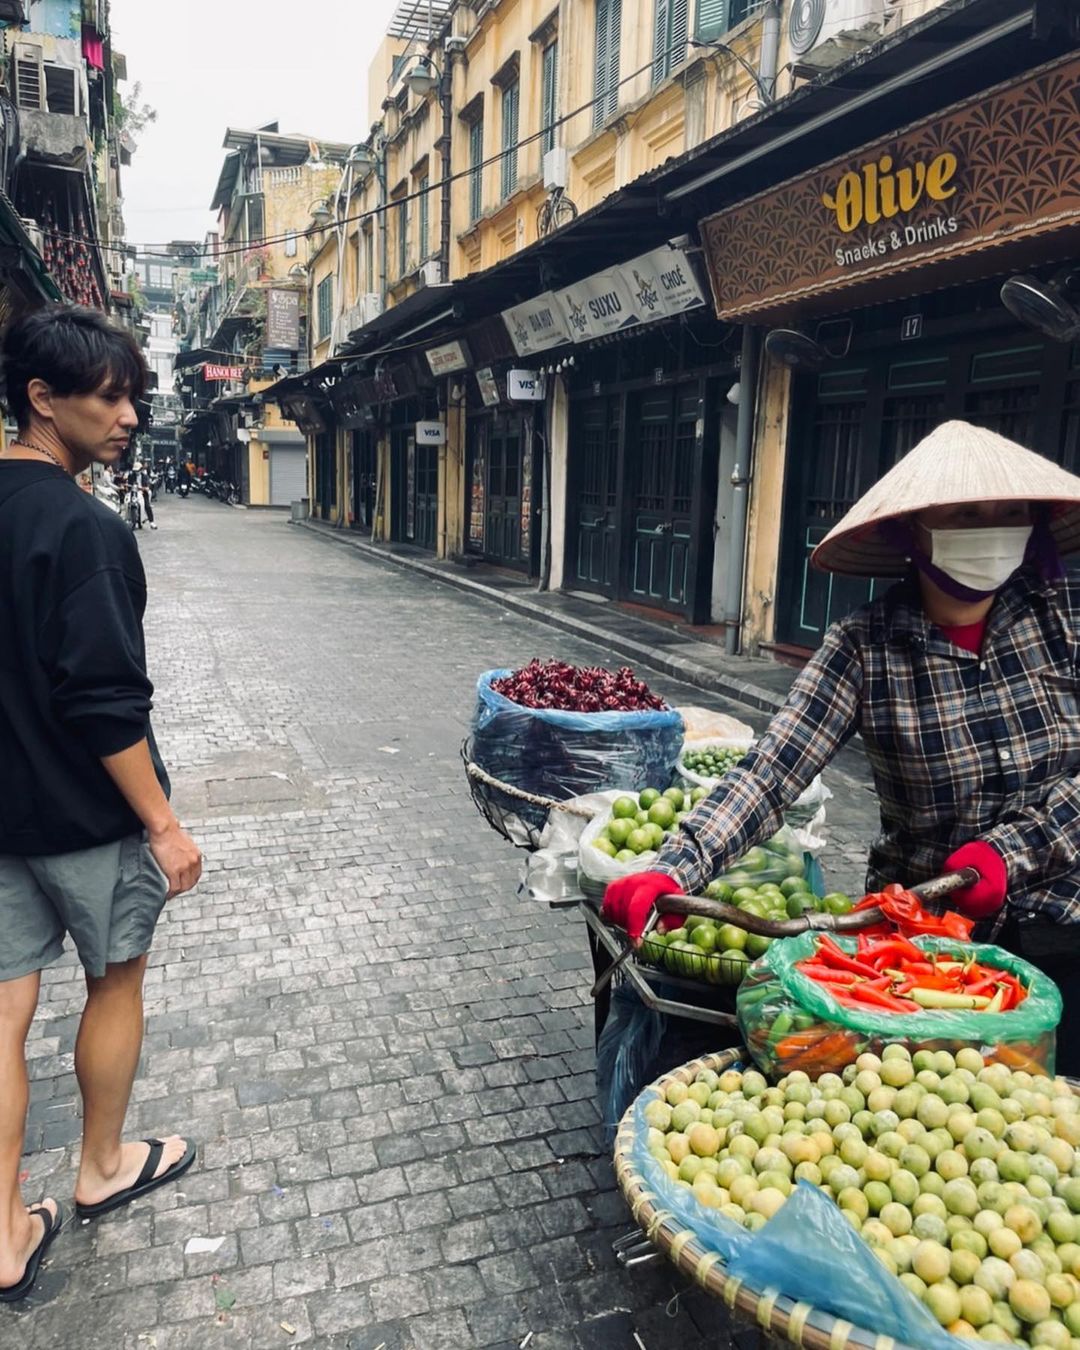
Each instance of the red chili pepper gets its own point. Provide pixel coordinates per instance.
(832, 955)
(980, 986)
(898, 946)
(867, 993)
(826, 974)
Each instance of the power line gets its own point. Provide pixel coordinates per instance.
(386, 207)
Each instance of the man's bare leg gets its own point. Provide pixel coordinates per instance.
(106, 1059)
(20, 1232)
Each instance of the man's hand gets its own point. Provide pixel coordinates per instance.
(178, 856)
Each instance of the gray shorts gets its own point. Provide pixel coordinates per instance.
(108, 898)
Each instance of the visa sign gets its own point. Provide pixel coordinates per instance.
(525, 386)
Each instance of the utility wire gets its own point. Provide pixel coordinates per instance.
(389, 206)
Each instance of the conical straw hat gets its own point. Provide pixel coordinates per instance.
(956, 463)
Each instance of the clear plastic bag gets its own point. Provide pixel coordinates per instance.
(556, 754)
(790, 1021)
(597, 869)
(807, 815)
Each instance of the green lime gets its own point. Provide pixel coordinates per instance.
(662, 813)
(675, 796)
(838, 903)
(730, 937)
(603, 845)
(624, 808)
(619, 831)
(704, 936)
(646, 798)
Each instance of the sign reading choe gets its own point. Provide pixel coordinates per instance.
(998, 168)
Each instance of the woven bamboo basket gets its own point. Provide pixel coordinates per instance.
(778, 1316)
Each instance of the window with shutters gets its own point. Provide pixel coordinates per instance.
(669, 38)
(549, 96)
(402, 238)
(715, 17)
(476, 170)
(423, 215)
(369, 259)
(511, 109)
(606, 79)
(325, 300)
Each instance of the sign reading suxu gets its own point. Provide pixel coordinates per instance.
(654, 286)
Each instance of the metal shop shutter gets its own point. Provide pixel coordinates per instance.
(288, 474)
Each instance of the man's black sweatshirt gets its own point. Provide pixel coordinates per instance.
(73, 683)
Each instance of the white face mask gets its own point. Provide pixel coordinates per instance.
(982, 560)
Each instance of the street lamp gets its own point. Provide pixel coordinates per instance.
(320, 214)
(423, 77)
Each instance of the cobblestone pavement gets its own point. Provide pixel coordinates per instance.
(386, 1057)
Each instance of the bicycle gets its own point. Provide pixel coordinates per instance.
(554, 212)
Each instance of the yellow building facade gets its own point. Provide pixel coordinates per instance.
(551, 119)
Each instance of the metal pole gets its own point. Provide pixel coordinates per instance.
(770, 49)
(740, 479)
(446, 99)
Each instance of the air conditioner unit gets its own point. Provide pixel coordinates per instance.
(28, 70)
(556, 168)
(35, 233)
(431, 272)
(352, 319)
(371, 305)
(815, 22)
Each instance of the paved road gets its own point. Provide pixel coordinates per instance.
(385, 1056)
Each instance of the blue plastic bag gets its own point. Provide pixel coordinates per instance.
(558, 754)
(625, 1053)
(807, 1251)
(810, 1252)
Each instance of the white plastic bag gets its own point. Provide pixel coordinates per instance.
(806, 816)
(550, 874)
(596, 869)
(702, 724)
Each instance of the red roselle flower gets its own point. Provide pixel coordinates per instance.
(554, 684)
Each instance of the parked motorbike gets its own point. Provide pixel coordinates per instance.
(170, 478)
(184, 488)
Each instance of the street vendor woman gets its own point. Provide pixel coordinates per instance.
(963, 681)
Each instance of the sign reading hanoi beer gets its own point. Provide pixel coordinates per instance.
(211, 372)
(999, 168)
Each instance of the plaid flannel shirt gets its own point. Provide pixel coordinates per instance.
(962, 746)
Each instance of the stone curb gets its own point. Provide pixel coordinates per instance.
(682, 668)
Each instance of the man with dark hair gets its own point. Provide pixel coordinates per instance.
(89, 845)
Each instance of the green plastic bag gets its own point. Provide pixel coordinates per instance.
(790, 1021)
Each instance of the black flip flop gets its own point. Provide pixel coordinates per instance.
(144, 1183)
(12, 1293)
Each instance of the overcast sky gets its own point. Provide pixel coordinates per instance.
(209, 64)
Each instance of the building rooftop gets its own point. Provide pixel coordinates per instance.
(417, 18)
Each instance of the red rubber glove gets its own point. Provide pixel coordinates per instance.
(628, 902)
(985, 897)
